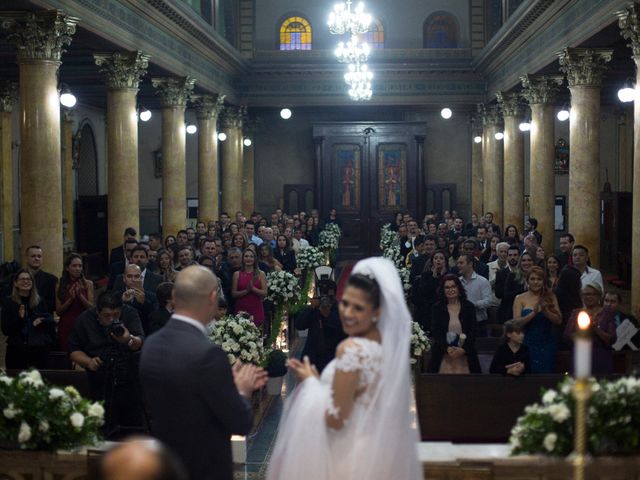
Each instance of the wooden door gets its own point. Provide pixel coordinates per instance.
(368, 171)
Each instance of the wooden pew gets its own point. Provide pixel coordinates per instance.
(475, 408)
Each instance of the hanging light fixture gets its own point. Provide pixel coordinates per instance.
(352, 51)
(563, 114)
(446, 113)
(628, 92)
(359, 79)
(477, 139)
(191, 129)
(145, 114)
(285, 113)
(525, 126)
(222, 136)
(345, 20)
(247, 142)
(67, 99)
(499, 135)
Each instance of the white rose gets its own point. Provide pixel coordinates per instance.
(44, 426)
(549, 396)
(6, 380)
(77, 419)
(25, 432)
(96, 410)
(32, 378)
(559, 412)
(55, 393)
(549, 441)
(11, 412)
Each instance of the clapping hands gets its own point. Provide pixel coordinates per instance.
(304, 369)
(248, 378)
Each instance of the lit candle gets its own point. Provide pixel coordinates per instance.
(582, 347)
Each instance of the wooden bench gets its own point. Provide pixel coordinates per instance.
(475, 408)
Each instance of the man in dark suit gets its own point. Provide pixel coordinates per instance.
(45, 282)
(118, 267)
(195, 400)
(118, 253)
(140, 256)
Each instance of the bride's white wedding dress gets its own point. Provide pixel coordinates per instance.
(378, 439)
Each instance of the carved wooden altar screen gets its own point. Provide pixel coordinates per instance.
(368, 171)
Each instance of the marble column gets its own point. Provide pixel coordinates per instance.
(540, 92)
(248, 167)
(630, 29)
(513, 186)
(8, 97)
(476, 168)
(122, 72)
(232, 160)
(584, 68)
(207, 109)
(493, 163)
(174, 92)
(67, 176)
(40, 38)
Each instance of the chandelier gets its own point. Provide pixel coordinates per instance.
(343, 20)
(359, 78)
(352, 51)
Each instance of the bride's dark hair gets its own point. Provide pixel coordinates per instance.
(368, 285)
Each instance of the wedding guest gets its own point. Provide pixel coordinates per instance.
(581, 261)
(552, 265)
(249, 287)
(267, 261)
(284, 254)
(568, 292)
(396, 222)
(45, 282)
(512, 237)
(117, 253)
(602, 327)
(75, 294)
(515, 284)
(239, 241)
(453, 327)
(185, 257)
(537, 310)
(424, 290)
(541, 256)
(169, 240)
(207, 261)
(490, 253)
(566, 246)
(141, 459)
(160, 317)
(165, 266)
(512, 357)
(134, 295)
(28, 326)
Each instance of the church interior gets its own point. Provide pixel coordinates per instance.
(183, 110)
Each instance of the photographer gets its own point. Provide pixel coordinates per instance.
(105, 341)
(325, 330)
(136, 296)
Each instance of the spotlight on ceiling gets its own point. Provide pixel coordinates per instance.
(67, 99)
(247, 142)
(525, 126)
(446, 113)
(145, 114)
(563, 115)
(222, 136)
(285, 113)
(477, 139)
(191, 129)
(499, 136)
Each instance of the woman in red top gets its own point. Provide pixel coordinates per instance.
(249, 287)
(74, 296)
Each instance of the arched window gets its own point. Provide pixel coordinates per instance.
(375, 36)
(440, 31)
(87, 161)
(295, 34)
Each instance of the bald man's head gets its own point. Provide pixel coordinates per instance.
(132, 275)
(195, 288)
(141, 459)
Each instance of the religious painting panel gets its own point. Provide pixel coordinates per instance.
(392, 176)
(562, 157)
(347, 159)
(440, 31)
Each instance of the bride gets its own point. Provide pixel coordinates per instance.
(355, 421)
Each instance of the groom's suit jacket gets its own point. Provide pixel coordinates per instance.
(192, 401)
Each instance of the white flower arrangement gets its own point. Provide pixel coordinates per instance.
(309, 257)
(328, 240)
(334, 229)
(40, 417)
(388, 237)
(419, 342)
(239, 338)
(405, 275)
(283, 288)
(613, 420)
(393, 254)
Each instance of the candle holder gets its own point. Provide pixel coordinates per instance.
(580, 457)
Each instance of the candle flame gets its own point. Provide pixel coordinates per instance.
(583, 321)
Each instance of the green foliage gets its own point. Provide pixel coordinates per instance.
(276, 363)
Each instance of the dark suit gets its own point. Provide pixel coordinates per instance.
(46, 285)
(192, 400)
(115, 269)
(151, 281)
(440, 327)
(325, 333)
(117, 255)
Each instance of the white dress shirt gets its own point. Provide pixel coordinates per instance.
(478, 291)
(192, 322)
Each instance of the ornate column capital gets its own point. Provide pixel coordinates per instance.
(510, 104)
(8, 95)
(122, 69)
(629, 23)
(174, 91)
(232, 116)
(539, 89)
(39, 35)
(584, 66)
(490, 114)
(208, 107)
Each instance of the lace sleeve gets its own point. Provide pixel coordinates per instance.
(351, 360)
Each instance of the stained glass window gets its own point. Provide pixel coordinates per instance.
(375, 36)
(440, 31)
(295, 34)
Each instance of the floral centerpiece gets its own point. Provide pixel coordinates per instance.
(239, 338)
(613, 420)
(419, 342)
(308, 259)
(405, 276)
(388, 237)
(393, 254)
(37, 416)
(328, 240)
(283, 289)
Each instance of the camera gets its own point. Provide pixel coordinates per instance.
(117, 328)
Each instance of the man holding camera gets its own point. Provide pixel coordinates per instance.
(325, 330)
(134, 295)
(104, 342)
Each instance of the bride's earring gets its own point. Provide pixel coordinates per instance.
(374, 319)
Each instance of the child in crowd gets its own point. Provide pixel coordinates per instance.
(222, 312)
(512, 357)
